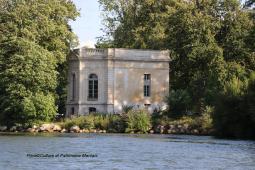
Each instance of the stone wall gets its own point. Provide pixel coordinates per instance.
(120, 76)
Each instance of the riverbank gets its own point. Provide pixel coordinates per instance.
(55, 128)
(131, 123)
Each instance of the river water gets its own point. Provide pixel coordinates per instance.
(117, 151)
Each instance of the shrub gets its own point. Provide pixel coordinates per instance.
(127, 108)
(101, 121)
(110, 122)
(117, 124)
(234, 111)
(138, 121)
(206, 118)
(86, 122)
(179, 102)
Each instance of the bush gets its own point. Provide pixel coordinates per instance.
(116, 124)
(235, 110)
(110, 122)
(127, 108)
(86, 122)
(206, 118)
(179, 102)
(138, 121)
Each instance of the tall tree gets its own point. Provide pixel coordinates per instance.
(35, 40)
(208, 39)
(135, 23)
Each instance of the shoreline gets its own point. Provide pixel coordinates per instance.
(91, 133)
(57, 128)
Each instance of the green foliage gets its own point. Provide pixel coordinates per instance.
(39, 107)
(138, 121)
(134, 24)
(126, 108)
(35, 40)
(110, 122)
(234, 114)
(203, 123)
(117, 124)
(86, 122)
(206, 120)
(211, 43)
(179, 102)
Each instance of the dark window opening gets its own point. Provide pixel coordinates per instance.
(92, 110)
(73, 86)
(72, 111)
(147, 77)
(147, 85)
(93, 87)
(146, 91)
(147, 105)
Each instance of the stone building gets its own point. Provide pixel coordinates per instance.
(105, 80)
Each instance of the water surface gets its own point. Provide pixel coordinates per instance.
(117, 151)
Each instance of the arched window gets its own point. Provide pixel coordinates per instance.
(93, 87)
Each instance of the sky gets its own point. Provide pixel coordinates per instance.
(87, 26)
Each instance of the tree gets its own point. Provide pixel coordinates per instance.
(212, 47)
(35, 40)
(198, 64)
(234, 116)
(135, 23)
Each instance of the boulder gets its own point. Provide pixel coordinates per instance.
(160, 129)
(31, 130)
(186, 126)
(195, 131)
(171, 126)
(85, 131)
(57, 128)
(75, 129)
(104, 131)
(169, 131)
(92, 131)
(3, 128)
(46, 127)
(20, 128)
(63, 130)
(35, 127)
(13, 129)
(173, 131)
(151, 131)
(179, 126)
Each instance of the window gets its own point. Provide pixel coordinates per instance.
(93, 87)
(72, 111)
(92, 110)
(147, 105)
(73, 86)
(147, 85)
